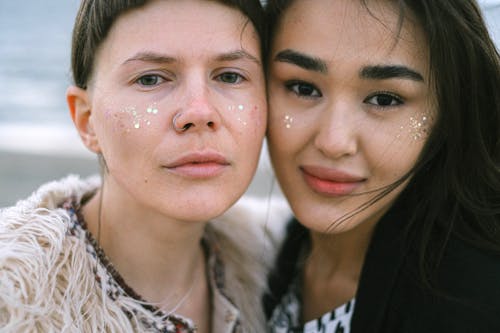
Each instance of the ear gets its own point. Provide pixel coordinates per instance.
(80, 108)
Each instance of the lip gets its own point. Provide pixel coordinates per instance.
(198, 165)
(330, 182)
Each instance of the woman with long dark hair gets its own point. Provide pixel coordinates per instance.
(384, 132)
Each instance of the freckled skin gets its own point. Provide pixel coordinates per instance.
(133, 120)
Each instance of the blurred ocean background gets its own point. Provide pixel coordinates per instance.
(37, 139)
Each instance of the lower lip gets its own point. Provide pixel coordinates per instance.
(328, 187)
(199, 170)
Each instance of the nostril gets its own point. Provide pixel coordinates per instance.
(211, 124)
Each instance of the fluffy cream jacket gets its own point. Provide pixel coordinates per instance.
(46, 278)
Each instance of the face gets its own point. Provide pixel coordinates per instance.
(197, 62)
(350, 108)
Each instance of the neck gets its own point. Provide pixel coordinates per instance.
(158, 257)
(336, 254)
(333, 269)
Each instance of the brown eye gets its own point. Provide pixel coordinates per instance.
(303, 89)
(384, 99)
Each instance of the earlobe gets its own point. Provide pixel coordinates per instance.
(81, 112)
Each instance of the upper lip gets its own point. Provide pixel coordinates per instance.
(331, 174)
(198, 157)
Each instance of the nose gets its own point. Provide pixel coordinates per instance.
(198, 114)
(337, 133)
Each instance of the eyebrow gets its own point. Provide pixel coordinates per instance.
(163, 58)
(302, 60)
(383, 72)
(237, 55)
(150, 57)
(378, 72)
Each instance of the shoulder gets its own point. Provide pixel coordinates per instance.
(471, 273)
(50, 195)
(252, 230)
(248, 236)
(255, 223)
(37, 259)
(466, 296)
(38, 223)
(39, 219)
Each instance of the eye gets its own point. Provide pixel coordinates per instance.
(230, 77)
(303, 89)
(384, 99)
(150, 80)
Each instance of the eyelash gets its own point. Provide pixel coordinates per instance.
(395, 100)
(295, 85)
(239, 78)
(158, 80)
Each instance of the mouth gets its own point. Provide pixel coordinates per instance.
(198, 165)
(330, 182)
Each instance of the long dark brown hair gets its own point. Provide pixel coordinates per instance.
(455, 183)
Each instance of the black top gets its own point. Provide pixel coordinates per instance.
(390, 296)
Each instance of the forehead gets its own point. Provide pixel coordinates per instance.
(188, 26)
(348, 30)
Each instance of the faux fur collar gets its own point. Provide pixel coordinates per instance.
(46, 278)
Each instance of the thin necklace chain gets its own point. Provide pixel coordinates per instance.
(179, 304)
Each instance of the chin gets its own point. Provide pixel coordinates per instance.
(203, 211)
(320, 217)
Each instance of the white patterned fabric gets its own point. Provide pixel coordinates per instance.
(286, 318)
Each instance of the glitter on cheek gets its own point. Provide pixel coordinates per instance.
(239, 116)
(140, 118)
(239, 107)
(242, 121)
(137, 119)
(418, 127)
(288, 120)
(151, 110)
(131, 111)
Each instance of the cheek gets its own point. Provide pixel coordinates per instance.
(398, 139)
(392, 156)
(290, 131)
(121, 122)
(247, 119)
(283, 144)
(290, 115)
(129, 119)
(128, 129)
(416, 128)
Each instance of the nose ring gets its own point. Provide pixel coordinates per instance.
(174, 123)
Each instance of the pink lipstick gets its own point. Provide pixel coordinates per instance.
(330, 182)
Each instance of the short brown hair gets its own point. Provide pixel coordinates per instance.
(95, 18)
